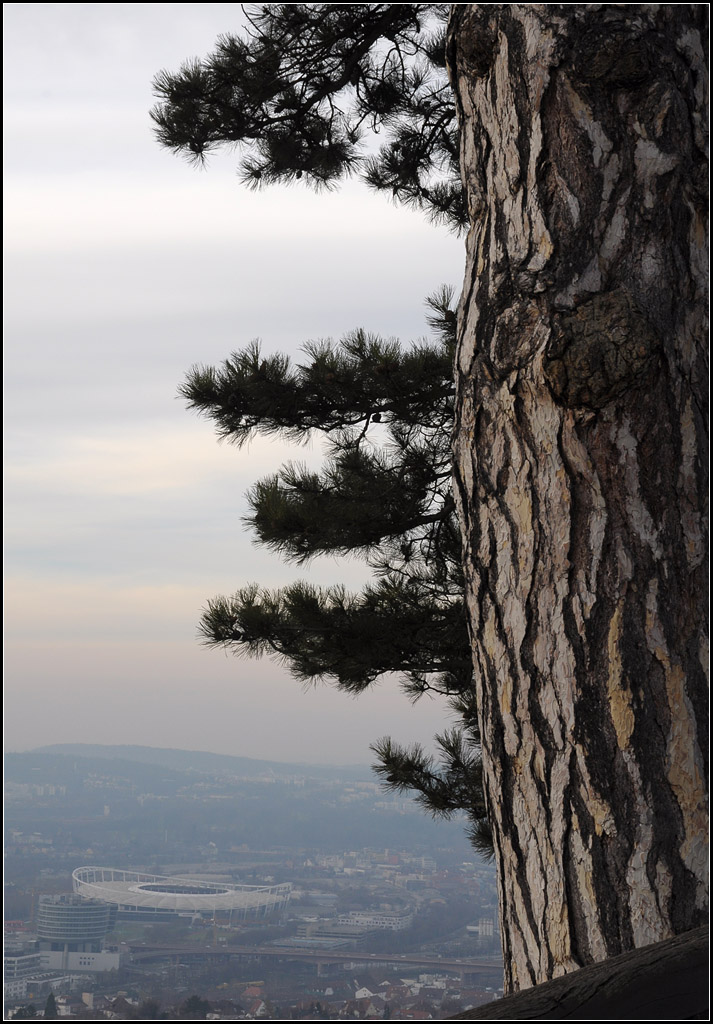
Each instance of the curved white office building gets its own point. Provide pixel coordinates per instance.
(71, 932)
(151, 897)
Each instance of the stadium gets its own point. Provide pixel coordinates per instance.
(141, 897)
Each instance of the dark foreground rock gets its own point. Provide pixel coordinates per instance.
(666, 981)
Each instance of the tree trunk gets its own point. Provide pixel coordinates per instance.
(580, 448)
(666, 981)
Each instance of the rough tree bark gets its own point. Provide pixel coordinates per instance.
(581, 466)
(666, 981)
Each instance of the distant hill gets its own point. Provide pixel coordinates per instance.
(133, 805)
(203, 761)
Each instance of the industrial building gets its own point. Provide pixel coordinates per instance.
(71, 933)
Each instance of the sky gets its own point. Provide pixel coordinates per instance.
(125, 266)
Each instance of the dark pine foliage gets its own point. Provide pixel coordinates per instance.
(300, 93)
(384, 492)
(305, 86)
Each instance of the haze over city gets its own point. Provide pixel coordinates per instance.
(124, 267)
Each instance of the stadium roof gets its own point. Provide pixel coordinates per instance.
(138, 890)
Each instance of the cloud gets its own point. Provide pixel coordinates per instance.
(124, 266)
(154, 461)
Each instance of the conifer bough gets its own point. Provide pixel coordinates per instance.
(384, 492)
(305, 86)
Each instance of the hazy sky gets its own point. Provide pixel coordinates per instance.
(123, 267)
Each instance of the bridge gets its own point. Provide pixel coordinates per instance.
(141, 952)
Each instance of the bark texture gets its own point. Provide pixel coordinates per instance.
(580, 447)
(666, 981)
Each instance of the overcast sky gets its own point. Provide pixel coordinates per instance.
(123, 267)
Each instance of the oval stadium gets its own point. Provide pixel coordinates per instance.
(142, 897)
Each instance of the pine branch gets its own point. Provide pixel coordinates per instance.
(297, 95)
(360, 499)
(385, 493)
(352, 639)
(444, 789)
(299, 90)
(361, 380)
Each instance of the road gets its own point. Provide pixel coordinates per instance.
(142, 951)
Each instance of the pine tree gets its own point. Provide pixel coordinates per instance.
(384, 493)
(580, 412)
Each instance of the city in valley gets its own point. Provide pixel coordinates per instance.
(144, 883)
